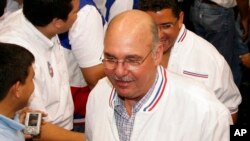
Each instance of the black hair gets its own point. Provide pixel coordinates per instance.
(2, 6)
(14, 66)
(42, 12)
(158, 5)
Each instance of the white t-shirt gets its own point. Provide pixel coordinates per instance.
(86, 39)
(178, 109)
(226, 3)
(52, 91)
(11, 6)
(195, 57)
(117, 7)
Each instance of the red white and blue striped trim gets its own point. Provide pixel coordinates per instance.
(195, 74)
(112, 97)
(158, 92)
(183, 35)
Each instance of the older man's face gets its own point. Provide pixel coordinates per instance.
(127, 47)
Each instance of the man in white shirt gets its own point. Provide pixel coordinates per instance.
(35, 27)
(84, 46)
(187, 54)
(142, 101)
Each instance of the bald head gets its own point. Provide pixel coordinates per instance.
(133, 24)
(132, 54)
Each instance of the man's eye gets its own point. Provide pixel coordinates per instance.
(166, 25)
(112, 60)
(133, 61)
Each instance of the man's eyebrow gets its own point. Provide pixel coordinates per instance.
(165, 23)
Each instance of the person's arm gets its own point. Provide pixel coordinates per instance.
(234, 117)
(93, 74)
(86, 39)
(51, 132)
(243, 9)
(227, 91)
(245, 59)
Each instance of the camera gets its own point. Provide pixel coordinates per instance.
(33, 123)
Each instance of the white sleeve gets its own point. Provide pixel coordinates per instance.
(218, 129)
(120, 6)
(86, 37)
(229, 92)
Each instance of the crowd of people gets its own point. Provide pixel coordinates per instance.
(123, 70)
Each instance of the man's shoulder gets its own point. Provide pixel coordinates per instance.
(13, 30)
(88, 11)
(202, 48)
(193, 90)
(188, 86)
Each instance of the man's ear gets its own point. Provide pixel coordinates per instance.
(16, 89)
(58, 23)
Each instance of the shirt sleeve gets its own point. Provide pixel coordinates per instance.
(86, 37)
(226, 90)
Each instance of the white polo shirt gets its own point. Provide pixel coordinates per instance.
(195, 57)
(179, 109)
(226, 3)
(11, 6)
(116, 7)
(86, 39)
(52, 91)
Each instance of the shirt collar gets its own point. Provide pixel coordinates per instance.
(182, 34)
(119, 102)
(151, 99)
(12, 123)
(49, 43)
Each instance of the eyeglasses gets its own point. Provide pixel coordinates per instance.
(129, 63)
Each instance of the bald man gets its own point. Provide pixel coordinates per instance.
(139, 100)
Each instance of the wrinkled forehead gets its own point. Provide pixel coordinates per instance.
(129, 31)
(138, 40)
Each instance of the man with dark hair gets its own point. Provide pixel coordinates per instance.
(16, 86)
(187, 54)
(35, 27)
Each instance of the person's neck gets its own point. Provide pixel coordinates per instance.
(165, 58)
(46, 31)
(7, 109)
(128, 104)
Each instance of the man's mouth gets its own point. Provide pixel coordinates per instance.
(166, 44)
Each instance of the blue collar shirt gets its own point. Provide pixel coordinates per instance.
(11, 130)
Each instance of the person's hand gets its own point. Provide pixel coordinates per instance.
(245, 29)
(245, 59)
(22, 115)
